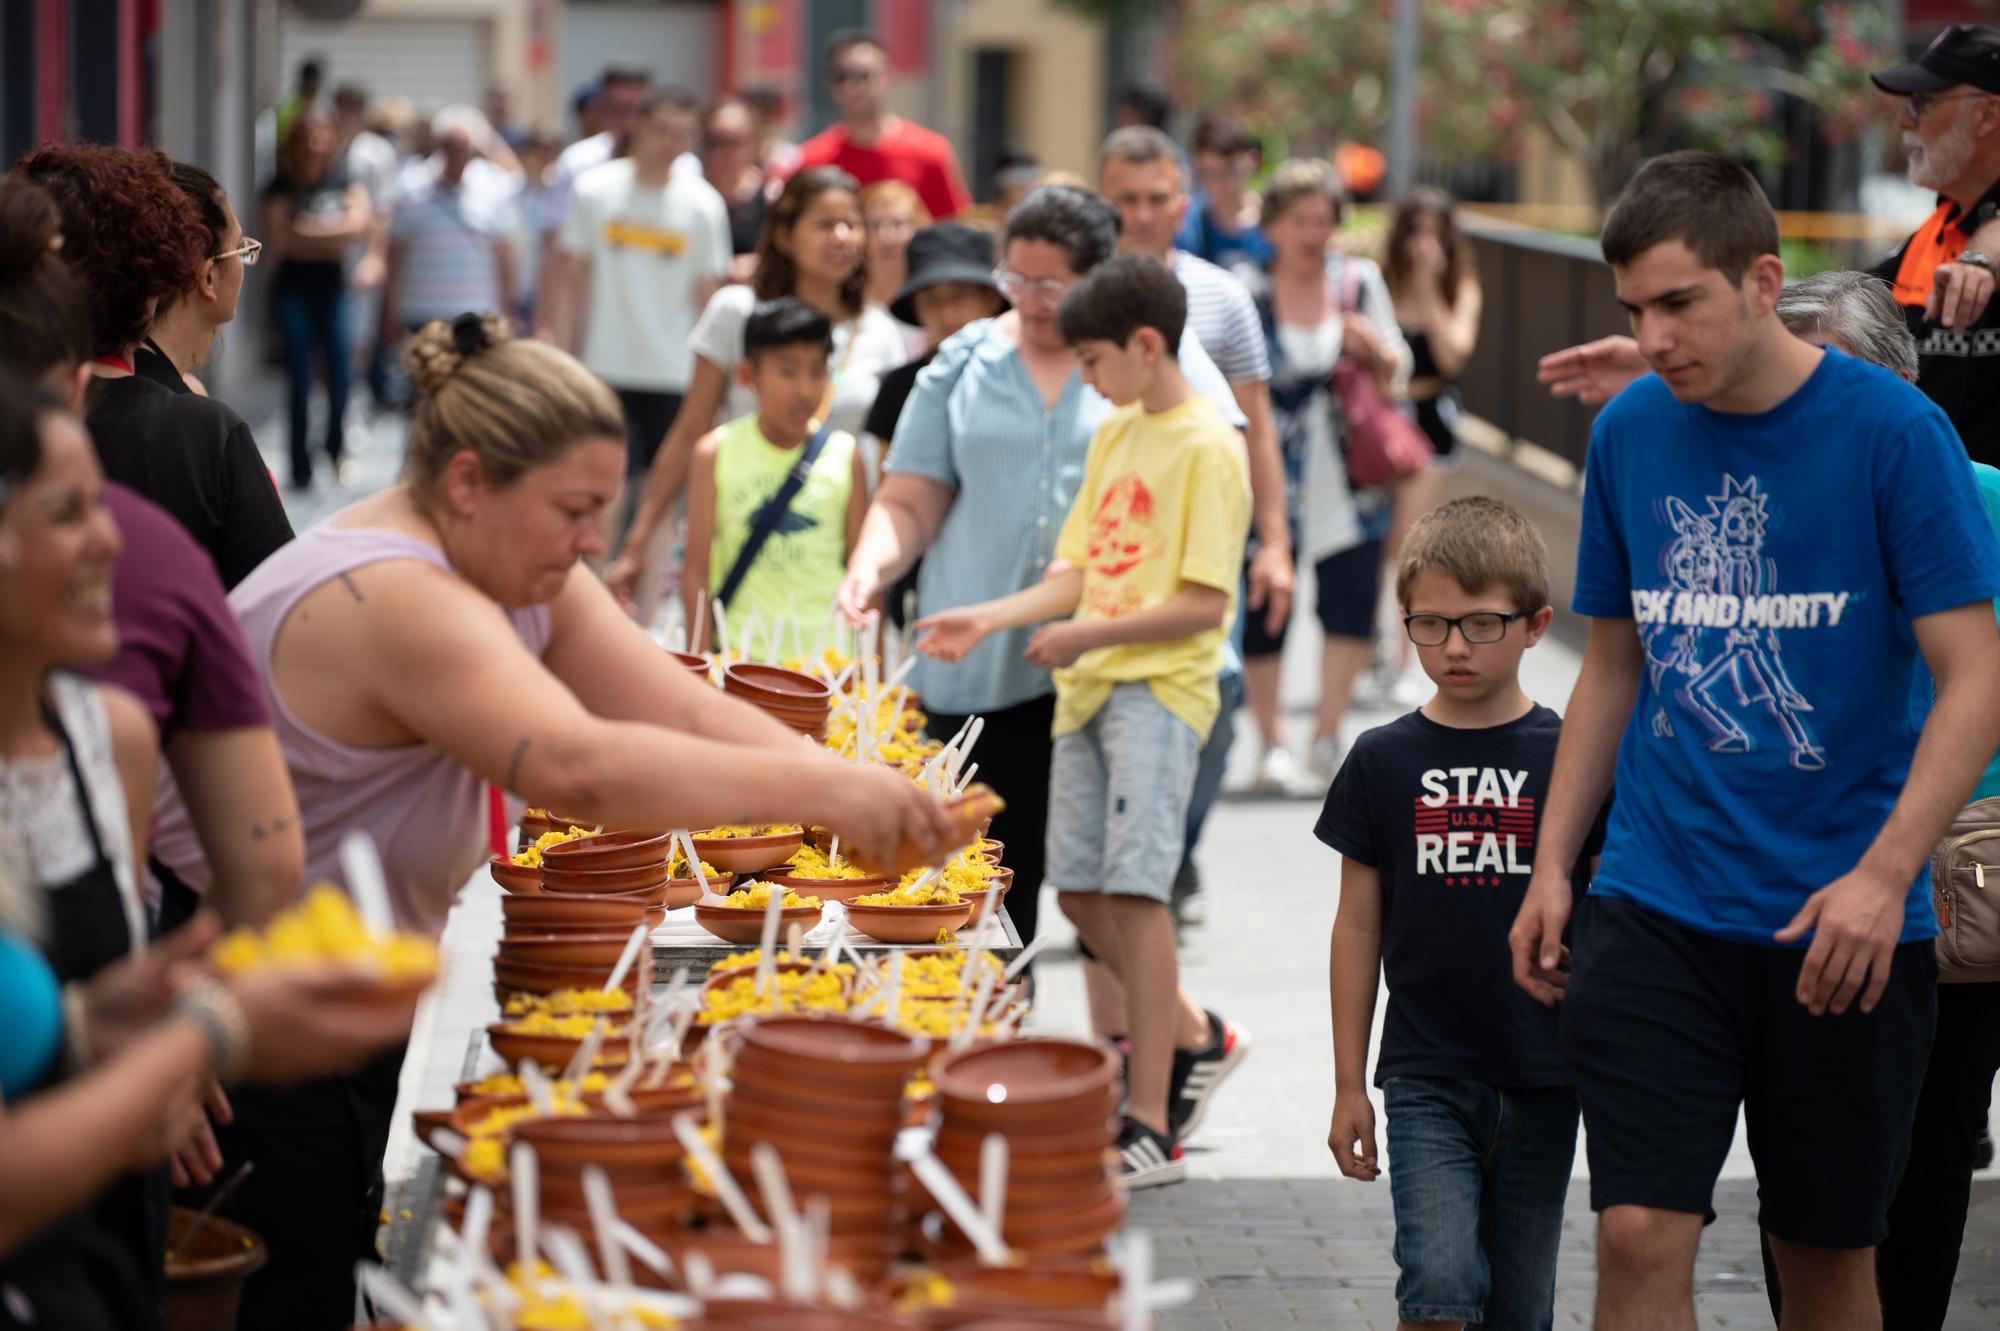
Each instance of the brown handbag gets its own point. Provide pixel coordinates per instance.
(1965, 890)
(1383, 445)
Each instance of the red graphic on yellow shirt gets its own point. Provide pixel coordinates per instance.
(1124, 534)
(622, 234)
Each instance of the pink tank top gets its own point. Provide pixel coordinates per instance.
(424, 808)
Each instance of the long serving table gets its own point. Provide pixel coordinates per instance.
(415, 1204)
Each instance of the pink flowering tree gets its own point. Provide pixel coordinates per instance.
(1610, 81)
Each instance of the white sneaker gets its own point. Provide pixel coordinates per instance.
(1328, 753)
(1277, 772)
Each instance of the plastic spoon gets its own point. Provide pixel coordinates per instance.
(967, 1032)
(604, 1219)
(627, 957)
(709, 895)
(585, 1057)
(1027, 954)
(362, 865)
(767, 958)
(993, 1180)
(777, 1191)
(392, 1296)
(726, 1190)
(939, 1182)
(524, 1166)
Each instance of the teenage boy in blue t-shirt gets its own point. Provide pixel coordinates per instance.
(1772, 535)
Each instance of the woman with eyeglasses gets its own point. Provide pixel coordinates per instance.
(186, 324)
(137, 241)
(988, 453)
(811, 248)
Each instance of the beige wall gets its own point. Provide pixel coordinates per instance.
(1058, 95)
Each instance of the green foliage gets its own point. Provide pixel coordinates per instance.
(1609, 80)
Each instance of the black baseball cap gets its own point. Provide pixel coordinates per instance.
(945, 252)
(1962, 53)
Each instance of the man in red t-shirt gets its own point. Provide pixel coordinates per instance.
(869, 143)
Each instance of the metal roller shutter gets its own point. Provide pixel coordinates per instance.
(426, 60)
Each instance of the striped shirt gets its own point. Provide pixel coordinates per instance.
(449, 237)
(977, 423)
(1221, 313)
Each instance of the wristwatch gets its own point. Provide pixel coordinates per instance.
(1978, 259)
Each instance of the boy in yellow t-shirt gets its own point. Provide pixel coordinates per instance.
(1153, 547)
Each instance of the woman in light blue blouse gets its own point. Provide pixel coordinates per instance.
(986, 459)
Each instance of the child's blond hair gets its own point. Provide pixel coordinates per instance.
(1477, 542)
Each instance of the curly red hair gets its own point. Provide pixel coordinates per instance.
(129, 233)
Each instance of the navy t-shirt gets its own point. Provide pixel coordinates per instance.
(1773, 563)
(1448, 818)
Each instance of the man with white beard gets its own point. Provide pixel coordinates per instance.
(1950, 120)
(1942, 276)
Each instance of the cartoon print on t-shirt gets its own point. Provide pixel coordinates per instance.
(1124, 534)
(1717, 579)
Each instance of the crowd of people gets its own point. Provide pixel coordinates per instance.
(1080, 451)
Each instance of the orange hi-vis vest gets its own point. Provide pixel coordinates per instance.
(1938, 240)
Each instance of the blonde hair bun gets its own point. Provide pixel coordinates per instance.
(436, 350)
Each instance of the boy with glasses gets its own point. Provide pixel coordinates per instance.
(1434, 816)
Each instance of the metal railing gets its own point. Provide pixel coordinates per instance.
(1543, 292)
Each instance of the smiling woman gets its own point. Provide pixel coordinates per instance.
(442, 635)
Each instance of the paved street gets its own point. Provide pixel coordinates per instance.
(1265, 1224)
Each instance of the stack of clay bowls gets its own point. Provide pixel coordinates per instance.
(594, 891)
(827, 1095)
(800, 701)
(1055, 1101)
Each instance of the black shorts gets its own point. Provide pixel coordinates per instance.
(1665, 1031)
(1345, 586)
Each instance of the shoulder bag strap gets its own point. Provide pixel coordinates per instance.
(765, 524)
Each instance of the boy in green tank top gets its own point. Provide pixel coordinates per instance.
(741, 469)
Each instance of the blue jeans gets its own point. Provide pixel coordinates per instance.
(314, 319)
(1214, 762)
(1478, 1175)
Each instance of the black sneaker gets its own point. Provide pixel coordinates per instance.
(1146, 1159)
(1197, 1072)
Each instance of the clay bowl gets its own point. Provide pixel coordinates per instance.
(982, 1292)
(646, 1144)
(1027, 1082)
(745, 928)
(600, 882)
(686, 891)
(747, 1117)
(765, 1093)
(776, 686)
(528, 977)
(696, 664)
(989, 849)
(1070, 1234)
(533, 825)
(1028, 1122)
(1037, 1203)
(866, 1255)
(996, 888)
(609, 850)
(809, 1172)
(601, 911)
(961, 1140)
(748, 855)
(665, 1097)
(522, 878)
(551, 1052)
(830, 889)
(553, 949)
(907, 924)
(1029, 1166)
(836, 1052)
